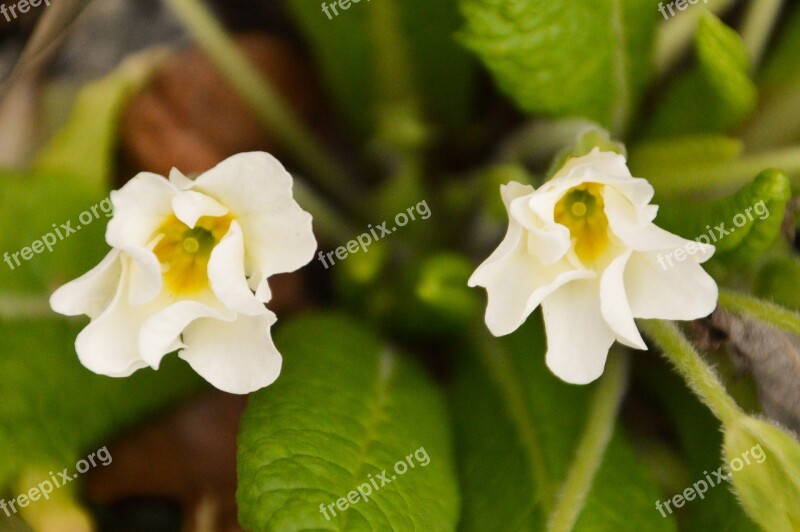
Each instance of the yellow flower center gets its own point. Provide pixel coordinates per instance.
(581, 210)
(185, 251)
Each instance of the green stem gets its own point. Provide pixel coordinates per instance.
(593, 444)
(765, 311)
(697, 373)
(759, 19)
(268, 105)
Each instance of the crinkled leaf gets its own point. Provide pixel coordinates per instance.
(588, 59)
(517, 430)
(749, 221)
(53, 410)
(345, 408)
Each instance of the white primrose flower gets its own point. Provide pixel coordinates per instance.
(188, 271)
(584, 246)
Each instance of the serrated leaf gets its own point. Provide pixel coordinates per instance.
(749, 221)
(53, 410)
(517, 441)
(588, 59)
(346, 408)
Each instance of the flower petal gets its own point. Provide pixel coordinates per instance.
(140, 208)
(681, 292)
(177, 178)
(516, 285)
(578, 338)
(189, 206)
(226, 274)
(236, 357)
(109, 345)
(160, 334)
(91, 293)
(614, 303)
(258, 191)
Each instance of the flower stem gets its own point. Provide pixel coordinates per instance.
(593, 444)
(765, 311)
(267, 104)
(697, 373)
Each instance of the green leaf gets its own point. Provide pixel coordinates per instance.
(53, 410)
(714, 97)
(659, 160)
(588, 59)
(749, 221)
(517, 430)
(774, 279)
(345, 408)
(443, 72)
(85, 145)
(39, 206)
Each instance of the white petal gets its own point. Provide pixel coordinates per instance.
(258, 191)
(545, 238)
(516, 284)
(160, 334)
(578, 338)
(683, 291)
(189, 206)
(226, 274)
(109, 345)
(145, 275)
(614, 303)
(236, 357)
(91, 293)
(177, 178)
(140, 207)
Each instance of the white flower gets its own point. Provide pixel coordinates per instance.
(584, 247)
(188, 271)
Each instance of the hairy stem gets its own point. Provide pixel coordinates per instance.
(693, 368)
